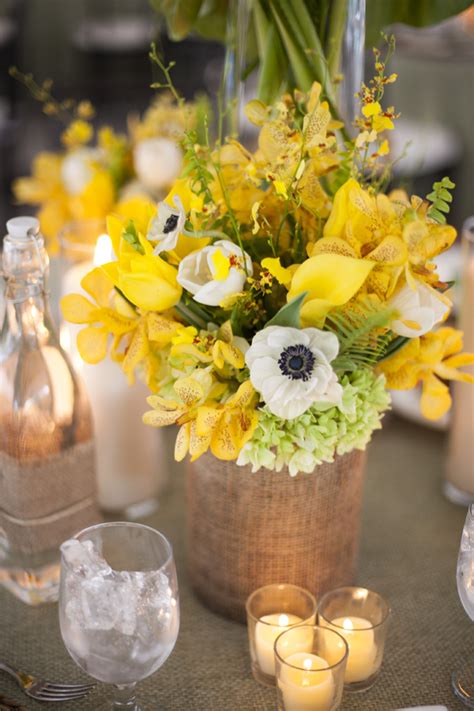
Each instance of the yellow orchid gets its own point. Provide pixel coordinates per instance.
(110, 314)
(146, 280)
(374, 228)
(331, 280)
(430, 360)
(190, 347)
(224, 428)
(77, 133)
(137, 339)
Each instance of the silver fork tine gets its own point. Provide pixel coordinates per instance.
(49, 696)
(68, 687)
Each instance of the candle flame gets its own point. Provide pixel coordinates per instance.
(348, 624)
(103, 252)
(283, 621)
(308, 664)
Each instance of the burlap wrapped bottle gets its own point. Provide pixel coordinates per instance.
(246, 530)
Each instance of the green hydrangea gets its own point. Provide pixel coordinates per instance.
(321, 432)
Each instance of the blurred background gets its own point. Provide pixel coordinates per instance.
(98, 50)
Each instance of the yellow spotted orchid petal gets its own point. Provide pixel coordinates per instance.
(221, 265)
(391, 251)
(382, 123)
(207, 420)
(435, 399)
(136, 351)
(198, 444)
(92, 344)
(161, 418)
(223, 353)
(181, 447)
(243, 397)
(439, 239)
(332, 245)
(192, 351)
(98, 285)
(160, 403)
(224, 444)
(281, 274)
(77, 309)
(161, 330)
(189, 390)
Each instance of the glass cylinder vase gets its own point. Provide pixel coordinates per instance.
(459, 482)
(131, 458)
(270, 50)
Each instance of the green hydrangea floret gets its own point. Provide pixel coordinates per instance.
(322, 431)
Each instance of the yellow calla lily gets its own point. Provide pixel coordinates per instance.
(330, 280)
(146, 280)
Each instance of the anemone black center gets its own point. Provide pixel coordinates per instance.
(297, 362)
(170, 224)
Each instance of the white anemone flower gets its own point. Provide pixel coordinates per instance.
(291, 370)
(419, 310)
(76, 168)
(166, 226)
(215, 272)
(157, 162)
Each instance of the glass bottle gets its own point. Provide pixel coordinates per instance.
(459, 478)
(47, 472)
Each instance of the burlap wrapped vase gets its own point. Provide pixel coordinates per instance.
(247, 530)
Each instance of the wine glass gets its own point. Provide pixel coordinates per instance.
(463, 679)
(118, 605)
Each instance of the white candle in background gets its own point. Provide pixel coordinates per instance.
(460, 469)
(302, 688)
(268, 628)
(130, 457)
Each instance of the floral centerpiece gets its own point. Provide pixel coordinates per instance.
(271, 299)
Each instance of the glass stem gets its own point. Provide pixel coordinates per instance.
(125, 697)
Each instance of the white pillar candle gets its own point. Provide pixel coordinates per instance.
(362, 659)
(302, 688)
(267, 629)
(130, 457)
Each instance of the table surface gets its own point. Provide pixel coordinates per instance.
(410, 541)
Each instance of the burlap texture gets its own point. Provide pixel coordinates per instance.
(45, 500)
(246, 530)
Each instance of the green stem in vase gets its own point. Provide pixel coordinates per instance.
(335, 35)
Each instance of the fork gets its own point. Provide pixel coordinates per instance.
(43, 690)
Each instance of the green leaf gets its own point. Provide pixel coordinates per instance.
(289, 314)
(130, 235)
(383, 13)
(437, 216)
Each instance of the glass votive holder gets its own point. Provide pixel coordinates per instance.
(310, 662)
(361, 617)
(270, 611)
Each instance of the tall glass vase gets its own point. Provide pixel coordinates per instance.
(270, 50)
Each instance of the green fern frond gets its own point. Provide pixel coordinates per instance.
(440, 197)
(362, 334)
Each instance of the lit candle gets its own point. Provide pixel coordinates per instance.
(359, 635)
(129, 456)
(307, 684)
(268, 628)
